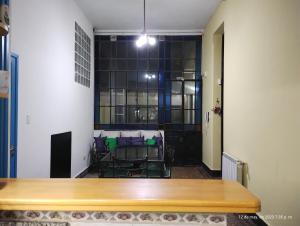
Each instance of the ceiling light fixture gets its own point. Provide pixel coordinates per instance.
(147, 76)
(144, 39)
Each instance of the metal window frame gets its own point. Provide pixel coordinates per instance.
(137, 71)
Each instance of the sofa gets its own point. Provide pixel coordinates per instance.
(132, 153)
(147, 134)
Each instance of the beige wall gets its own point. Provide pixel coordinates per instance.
(262, 92)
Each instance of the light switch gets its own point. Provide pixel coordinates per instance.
(28, 119)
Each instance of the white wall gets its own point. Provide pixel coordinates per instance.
(261, 98)
(42, 34)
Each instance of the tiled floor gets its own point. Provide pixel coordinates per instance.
(191, 172)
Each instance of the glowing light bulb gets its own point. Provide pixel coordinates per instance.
(151, 41)
(145, 40)
(142, 40)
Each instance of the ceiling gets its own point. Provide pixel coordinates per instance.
(162, 16)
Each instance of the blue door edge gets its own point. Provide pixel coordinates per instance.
(14, 62)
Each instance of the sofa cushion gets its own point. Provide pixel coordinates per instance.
(151, 142)
(123, 141)
(99, 142)
(111, 143)
(158, 140)
(137, 141)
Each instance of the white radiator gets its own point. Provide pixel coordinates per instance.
(232, 168)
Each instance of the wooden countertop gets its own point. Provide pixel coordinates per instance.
(157, 195)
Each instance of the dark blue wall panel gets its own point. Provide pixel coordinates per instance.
(3, 107)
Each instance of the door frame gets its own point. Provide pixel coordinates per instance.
(13, 116)
(222, 98)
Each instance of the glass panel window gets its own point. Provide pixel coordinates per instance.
(142, 115)
(176, 75)
(189, 101)
(189, 88)
(189, 65)
(137, 115)
(105, 97)
(189, 116)
(132, 115)
(132, 50)
(177, 65)
(104, 64)
(142, 97)
(152, 80)
(131, 80)
(176, 116)
(118, 97)
(104, 79)
(154, 51)
(153, 98)
(176, 100)
(189, 96)
(189, 75)
(118, 80)
(119, 64)
(153, 115)
(143, 52)
(168, 64)
(176, 87)
(113, 49)
(189, 49)
(153, 65)
(132, 64)
(142, 80)
(105, 49)
(176, 49)
(132, 97)
(121, 49)
(118, 115)
(143, 64)
(104, 115)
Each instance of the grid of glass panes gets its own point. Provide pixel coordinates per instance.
(181, 65)
(126, 96)
(82, 56)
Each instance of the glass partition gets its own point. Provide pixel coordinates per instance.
(151, 85)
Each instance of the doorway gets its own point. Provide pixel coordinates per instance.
(183, 132)
(222, 100)
(218, 98)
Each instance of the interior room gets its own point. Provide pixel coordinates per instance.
(149, 112)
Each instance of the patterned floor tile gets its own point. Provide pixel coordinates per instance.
(115, 217)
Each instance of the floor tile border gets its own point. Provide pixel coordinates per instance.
(115, 217)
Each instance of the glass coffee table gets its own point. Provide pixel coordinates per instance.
(134, 161)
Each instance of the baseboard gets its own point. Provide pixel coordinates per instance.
(83, 173)
(213, 173)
